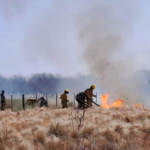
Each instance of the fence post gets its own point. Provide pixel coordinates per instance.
(36, 97)
(23, 105)
(47, 99)
(96, 97)
(11, 103)
(74, 99)
(56, 100)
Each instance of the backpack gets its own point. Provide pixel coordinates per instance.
(80, 96)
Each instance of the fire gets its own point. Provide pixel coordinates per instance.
(118, 103)
(138, 105)
(105, 102)
(104, 99)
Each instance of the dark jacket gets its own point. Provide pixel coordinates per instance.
(81, 97)
(2, 98)
(43, 101)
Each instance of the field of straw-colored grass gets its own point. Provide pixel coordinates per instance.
(71, 129)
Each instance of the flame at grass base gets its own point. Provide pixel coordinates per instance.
(118, 103)
(138, 105)
(105, 102)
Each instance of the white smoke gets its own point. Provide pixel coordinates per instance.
(57, 33)
(106, 32)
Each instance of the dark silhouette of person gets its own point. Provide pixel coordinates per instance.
(3, 100)
(43, 102)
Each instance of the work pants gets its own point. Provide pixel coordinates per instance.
(64, 106)
(2, 106)
(42, 104)
(81, 103)
(89, 102)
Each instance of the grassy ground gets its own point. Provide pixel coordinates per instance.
(72, 129)
(17, 105)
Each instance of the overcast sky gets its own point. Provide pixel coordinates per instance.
(39, 36)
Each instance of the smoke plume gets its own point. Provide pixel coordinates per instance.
(105, 32)
(52, 36)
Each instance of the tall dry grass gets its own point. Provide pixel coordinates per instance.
(71, 129)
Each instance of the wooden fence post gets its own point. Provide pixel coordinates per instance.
(23, 104)
(36, 97)
(11, 103)
(96, 97)
(56, 100)
(47, 99)
(74, 99)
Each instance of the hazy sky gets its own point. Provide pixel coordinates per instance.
(39, 36)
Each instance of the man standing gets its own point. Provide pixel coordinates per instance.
(64, 99)
(89, 94)
(3, 100)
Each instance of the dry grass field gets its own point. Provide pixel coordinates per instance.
(95, 128)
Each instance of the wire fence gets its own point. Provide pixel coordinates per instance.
(20, 102)
(23, 102)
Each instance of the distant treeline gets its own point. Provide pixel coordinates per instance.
(44, 83)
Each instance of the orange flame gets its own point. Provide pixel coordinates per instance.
(104, 99)
(138, 105)
(105, 102)
(118, 103)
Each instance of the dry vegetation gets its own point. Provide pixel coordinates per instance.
(72, 129)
